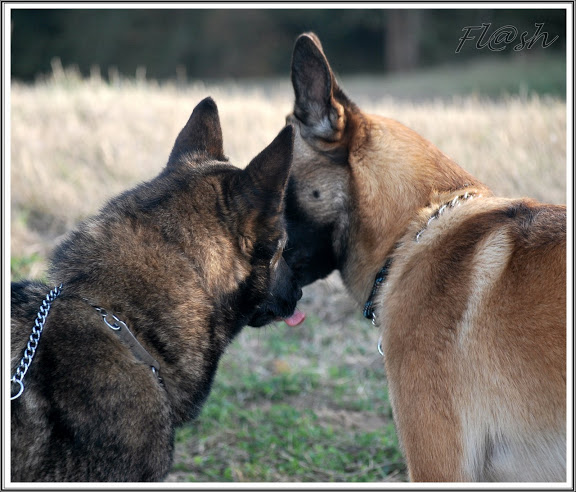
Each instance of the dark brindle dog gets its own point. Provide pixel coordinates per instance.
(472, 288)
(182, 262)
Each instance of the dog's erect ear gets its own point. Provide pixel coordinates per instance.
(266, 177)
(201, 137)
(314, 88)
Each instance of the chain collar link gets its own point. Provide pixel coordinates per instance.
(451, 204)
(17, 380)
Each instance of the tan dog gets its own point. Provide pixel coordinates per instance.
(470, 289)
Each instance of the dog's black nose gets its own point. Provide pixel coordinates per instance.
(299, 296)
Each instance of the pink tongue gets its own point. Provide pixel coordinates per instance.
(296, 318)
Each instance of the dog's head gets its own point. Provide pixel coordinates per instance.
(318, 195)
(204, 238)
(357, 179)
(245, 214)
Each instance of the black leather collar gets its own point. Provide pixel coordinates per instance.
(380, 279)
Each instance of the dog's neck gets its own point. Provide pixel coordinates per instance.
(438, 207)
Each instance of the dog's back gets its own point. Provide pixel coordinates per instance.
(484, 340)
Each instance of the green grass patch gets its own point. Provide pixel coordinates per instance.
(281, 442)
(291, 418)
(276, 387)
(21, 267)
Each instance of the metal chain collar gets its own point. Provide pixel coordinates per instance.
(442, 209)
(17, 380)
(381, 276)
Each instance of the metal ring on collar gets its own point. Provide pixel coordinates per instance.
(20, 391)
(118, 322)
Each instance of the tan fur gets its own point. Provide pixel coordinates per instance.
(475, 348)
(373, 162)
(473, 314)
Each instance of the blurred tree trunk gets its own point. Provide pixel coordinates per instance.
(402, 39)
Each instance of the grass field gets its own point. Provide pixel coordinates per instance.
(289, 404)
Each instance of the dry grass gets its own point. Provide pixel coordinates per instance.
(76, 143)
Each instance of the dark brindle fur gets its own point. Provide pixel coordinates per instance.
(185, 260)
(473, 314)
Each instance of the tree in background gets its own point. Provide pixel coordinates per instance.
(402, 40)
